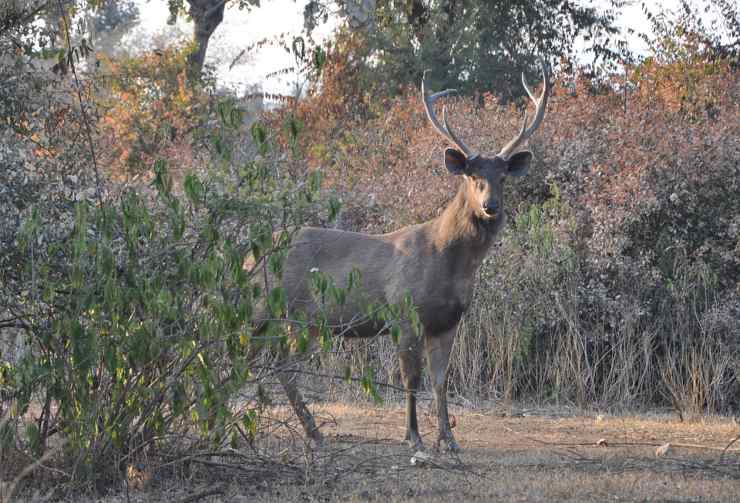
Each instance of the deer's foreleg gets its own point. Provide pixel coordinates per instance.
(409, 354)
(437, 348)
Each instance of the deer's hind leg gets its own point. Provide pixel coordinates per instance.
(409, 355)
(298, 403)
(288, 379)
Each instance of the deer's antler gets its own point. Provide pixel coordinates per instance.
(540, 106)
(444, 129)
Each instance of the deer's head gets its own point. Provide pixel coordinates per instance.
(484, 176)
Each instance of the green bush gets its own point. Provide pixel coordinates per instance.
(138, 320)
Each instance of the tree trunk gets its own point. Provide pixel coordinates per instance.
(417, 16)
(206, 15)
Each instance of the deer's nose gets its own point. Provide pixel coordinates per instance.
(490, 207)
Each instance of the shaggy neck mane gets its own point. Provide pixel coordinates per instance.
(459, 224)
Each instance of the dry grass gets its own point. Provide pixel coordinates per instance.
(527, 455)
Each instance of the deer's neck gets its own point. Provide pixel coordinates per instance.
(460, 228)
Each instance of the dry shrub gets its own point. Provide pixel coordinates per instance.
(634, 192)
(148, 110)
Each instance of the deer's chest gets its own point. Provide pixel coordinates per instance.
(443, 307)
(441, 289)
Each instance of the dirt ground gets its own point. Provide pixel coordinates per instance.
(524, 455)
(535, 455)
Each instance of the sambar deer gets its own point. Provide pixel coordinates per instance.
(435, 262)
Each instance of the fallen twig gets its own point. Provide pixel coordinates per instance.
(727, 447)
(30, 469)
(202, 494)
(629, 444)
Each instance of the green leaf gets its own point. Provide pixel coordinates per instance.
(162, 181)
(314, 181)
(222, 109)
(275, 262)
(326, 337)
(320, 283)
(334, 206)
(276, 301)
(319, 59)
(369, 386)
(29, 229)
(339, 295)
(83, 350)
(194, 189)
(293, 127)
(354, 279)
(7, 435)
(34, 439)
(250, 422)
(179, 398)
(177, 220)
(259, 135)
(347, 374)
(303, 340)
(395, 332)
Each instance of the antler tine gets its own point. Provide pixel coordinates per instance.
(524, 124)
(526, 88)
(469, 154)
(540, 106)
(443, 129)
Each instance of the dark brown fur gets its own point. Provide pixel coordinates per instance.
(435, 262)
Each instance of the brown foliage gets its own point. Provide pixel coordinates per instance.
(657, 164)
(148, 110)
(618, 276)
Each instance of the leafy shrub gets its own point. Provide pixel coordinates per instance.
(138, 318)
(138, 304)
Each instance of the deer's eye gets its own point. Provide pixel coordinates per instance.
(481, 184)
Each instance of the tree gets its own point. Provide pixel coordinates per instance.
(480, 45)
(113, 15)
(207, 16)
(110, 21)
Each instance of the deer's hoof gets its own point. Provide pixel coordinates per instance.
(448, 444)
(317, 439)
(414, 441)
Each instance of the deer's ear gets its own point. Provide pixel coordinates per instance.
(455, 161)
(519, 163)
